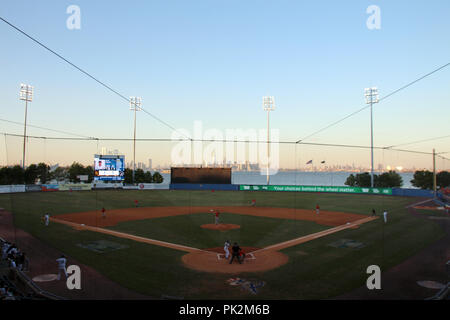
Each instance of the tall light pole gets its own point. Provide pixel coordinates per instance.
(371, 95)
(135, 105)
(434, 173)
(268, 105)
(26, 94)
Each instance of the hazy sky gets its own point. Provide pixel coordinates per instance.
(213, 61)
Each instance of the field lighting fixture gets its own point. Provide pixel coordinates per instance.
(135, 105)
(268, 105)
(371, 95)
(26, 94)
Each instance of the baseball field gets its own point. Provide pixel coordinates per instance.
(169, 246)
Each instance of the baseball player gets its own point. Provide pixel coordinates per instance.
(317, 209)
(226, 249)
(61, 266)
(385, 216)
(253, 204)
(235, 250)
(216, 213)
(136, 203)
(103, 213)
(373, 213)
(241, 255)
(46, 219)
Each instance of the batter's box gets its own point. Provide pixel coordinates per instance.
(248, 256)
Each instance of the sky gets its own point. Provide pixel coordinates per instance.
(212, 61)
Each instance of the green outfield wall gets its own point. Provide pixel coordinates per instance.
(381, 191)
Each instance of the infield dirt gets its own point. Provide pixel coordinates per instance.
(207, 260)
(115, 216)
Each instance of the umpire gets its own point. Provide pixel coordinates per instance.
(235, 250)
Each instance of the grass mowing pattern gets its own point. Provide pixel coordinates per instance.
(254, 232)
(315, 270)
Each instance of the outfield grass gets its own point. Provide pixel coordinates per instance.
(315, 269)
(433, 213)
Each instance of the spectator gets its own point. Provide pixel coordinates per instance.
(20, 261)
(12, 263)
(10, 294)
(2, 289)
(5, 249)
(12, 249)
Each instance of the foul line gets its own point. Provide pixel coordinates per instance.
(130, 236)
(275, 247)
(417, 203)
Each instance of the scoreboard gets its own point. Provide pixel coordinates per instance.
(109, 167)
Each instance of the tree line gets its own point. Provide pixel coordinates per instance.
(41, 173)
(141, 176)
(422, 179)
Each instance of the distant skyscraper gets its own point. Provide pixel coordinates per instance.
(150, 164)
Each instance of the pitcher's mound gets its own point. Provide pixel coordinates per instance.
(209, 261)
(220, 226)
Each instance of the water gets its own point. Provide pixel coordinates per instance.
(297, 178)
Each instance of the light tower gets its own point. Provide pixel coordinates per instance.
(371, 95)
(26, 94)
(268, 105)
(135, 105)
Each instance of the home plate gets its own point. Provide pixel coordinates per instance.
(431, 284)
(45, 278)
(248, 256)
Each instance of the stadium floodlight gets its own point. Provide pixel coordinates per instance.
(268, 105)
(371, 95)
(135, 105)
(26, 94)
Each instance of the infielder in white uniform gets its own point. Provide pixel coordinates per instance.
(62, 266)
(385, 216)
(46, 219)
(226, 249)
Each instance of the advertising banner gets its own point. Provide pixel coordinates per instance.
(382, 191)
(33, 188)
(12, 188)
(154, 186)
(49, 187)
(75, 187)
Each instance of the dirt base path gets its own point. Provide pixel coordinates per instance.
(220, 226)
(115, 216)
(204, 260)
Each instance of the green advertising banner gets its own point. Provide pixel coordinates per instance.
(383, 191)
